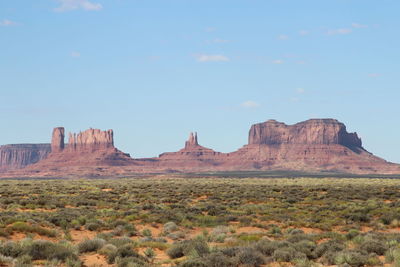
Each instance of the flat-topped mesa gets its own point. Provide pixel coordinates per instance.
(57, 140)
(192, 141)
(18, 156)
(91, 139)
(310, 132)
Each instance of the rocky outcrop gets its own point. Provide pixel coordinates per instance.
(192, 142)
(57, 140)
(91, 140)
(317, 145)
(310, 132)
(191, 150)
(21, 155)
(87, 153)
(193, 157)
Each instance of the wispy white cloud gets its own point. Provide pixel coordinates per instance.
(220, 41)
(304, 32)
(354, 26)
(212, 58)
(278, 61)
(300, 90)
(7, 23)
(358, 25)
(340, 31)
(250, 104)
(75, 54)
(210, 29)
(154, 58)
(374, 75)
(283, 37)
(68, 5)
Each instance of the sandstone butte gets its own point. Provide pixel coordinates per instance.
(316, 145)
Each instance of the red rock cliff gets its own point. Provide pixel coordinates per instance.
(91, 139)
(192, 140)
(57, 140)
(310, 132)
(21, 155)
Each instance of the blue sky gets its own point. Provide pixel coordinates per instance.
(155, 70)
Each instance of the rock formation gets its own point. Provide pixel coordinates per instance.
(311, 132)
(57, 140)
(317, 145)
(313, 145)
(21, 155)
(87, 153)
(192, 157)
(192, 142)
(91, 139)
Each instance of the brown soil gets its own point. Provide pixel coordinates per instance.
(106, 189)
(95, 260)
(36, 210)
(249, 230)
(156, 231)
(79, 236)
(308, 230)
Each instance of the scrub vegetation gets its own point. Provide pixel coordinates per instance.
(200, 222)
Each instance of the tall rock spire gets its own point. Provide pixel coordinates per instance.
(57, 140)
(192, 140)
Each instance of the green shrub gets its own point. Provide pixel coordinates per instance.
(328, 251)
(92, 226)
(200, 246)
(26, 228)
(268, 248)
(149, 253)
(90, 245)
(24, 260)
(42, 250)
(305, 246)
(359, 216)
(250, 256)
(125, 251)
(107, 248)
(11, 249)
(285, 254)
(118, 242)
(352, 233)
(220, 238)
(73, 262)
(147, 232)
(196, 262)
(5, 232)
(249, 237)
(170, 227)
(373, 246)
(352, 258)
(275, 230)
(292, 231)
(176, 251)
(392, 255)
(294, 238)
(4, 260)
(303, 262)
(130, 262)
(218, 259)
(183, 248)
